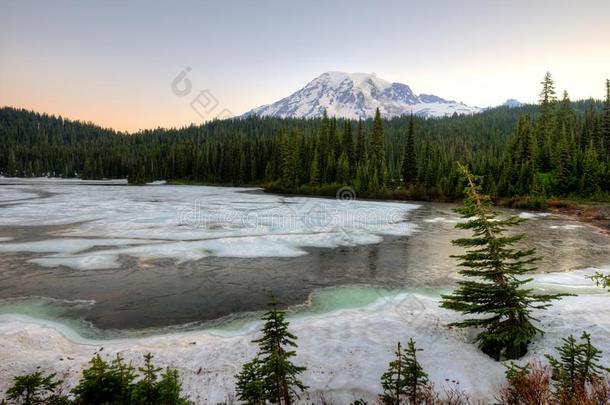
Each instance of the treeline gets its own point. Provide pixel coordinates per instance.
(557, 148)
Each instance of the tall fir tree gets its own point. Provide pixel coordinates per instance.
(591, 172)
(360, 154)
(333, 137)
(565, 114)
(606, 121)
(324, 145)
(562, 174)
(348, 142)
(290, 159)
(545, 123)
(343, 170)
(409, 160)
(314, 169)
(522, 151)
(493, 292)
(377, 156)
(547, 96)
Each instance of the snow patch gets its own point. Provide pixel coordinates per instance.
(345, 352)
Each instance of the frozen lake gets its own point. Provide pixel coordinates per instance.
(110, 259)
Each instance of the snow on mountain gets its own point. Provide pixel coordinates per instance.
(357, 95)
(512, 103)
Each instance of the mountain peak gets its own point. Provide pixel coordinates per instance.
(512, 103)
(356, 96)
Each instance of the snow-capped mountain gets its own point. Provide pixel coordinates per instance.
(512, 103)
(357, 95)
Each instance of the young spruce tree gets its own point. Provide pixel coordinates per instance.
(272, 373)
(35, 388)
(577, 365)
(493, 293)
(405, 381)
(250, 387)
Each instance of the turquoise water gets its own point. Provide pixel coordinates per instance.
(70, 314)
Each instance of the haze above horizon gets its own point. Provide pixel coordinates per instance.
(113, 63)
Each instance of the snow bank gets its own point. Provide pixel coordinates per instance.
(533, 215)
(346, 351)
(575, 280)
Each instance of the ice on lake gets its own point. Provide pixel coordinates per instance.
(100, 222)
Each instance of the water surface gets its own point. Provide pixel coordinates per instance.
(111, 258)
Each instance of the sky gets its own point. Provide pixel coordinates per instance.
(133, 65)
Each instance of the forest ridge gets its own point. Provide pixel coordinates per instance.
(557, 148)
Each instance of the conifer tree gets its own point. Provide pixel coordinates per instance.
(314, 170)
(378, 150)
(360, 145)
(93, 387)
(409, 160)
(103, 383)
(333, 139)
(577, 365)
(562, 174)
(343, 169)
(146, 390)
(324, 144)
(405, 381)
(492, 294)
(115, 383)
(547, 96)
(565, 113)
(606, 121)
(290, 159)
(591, 171)
(250, 386)
(170, 389)
(277, 372)
(545, 121)
(34, 389)
(12, 167)
(361, 182)
(348, 142)
(124, 376)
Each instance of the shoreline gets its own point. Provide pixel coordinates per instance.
(596, 213)
(593, 214)
(345, 352)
